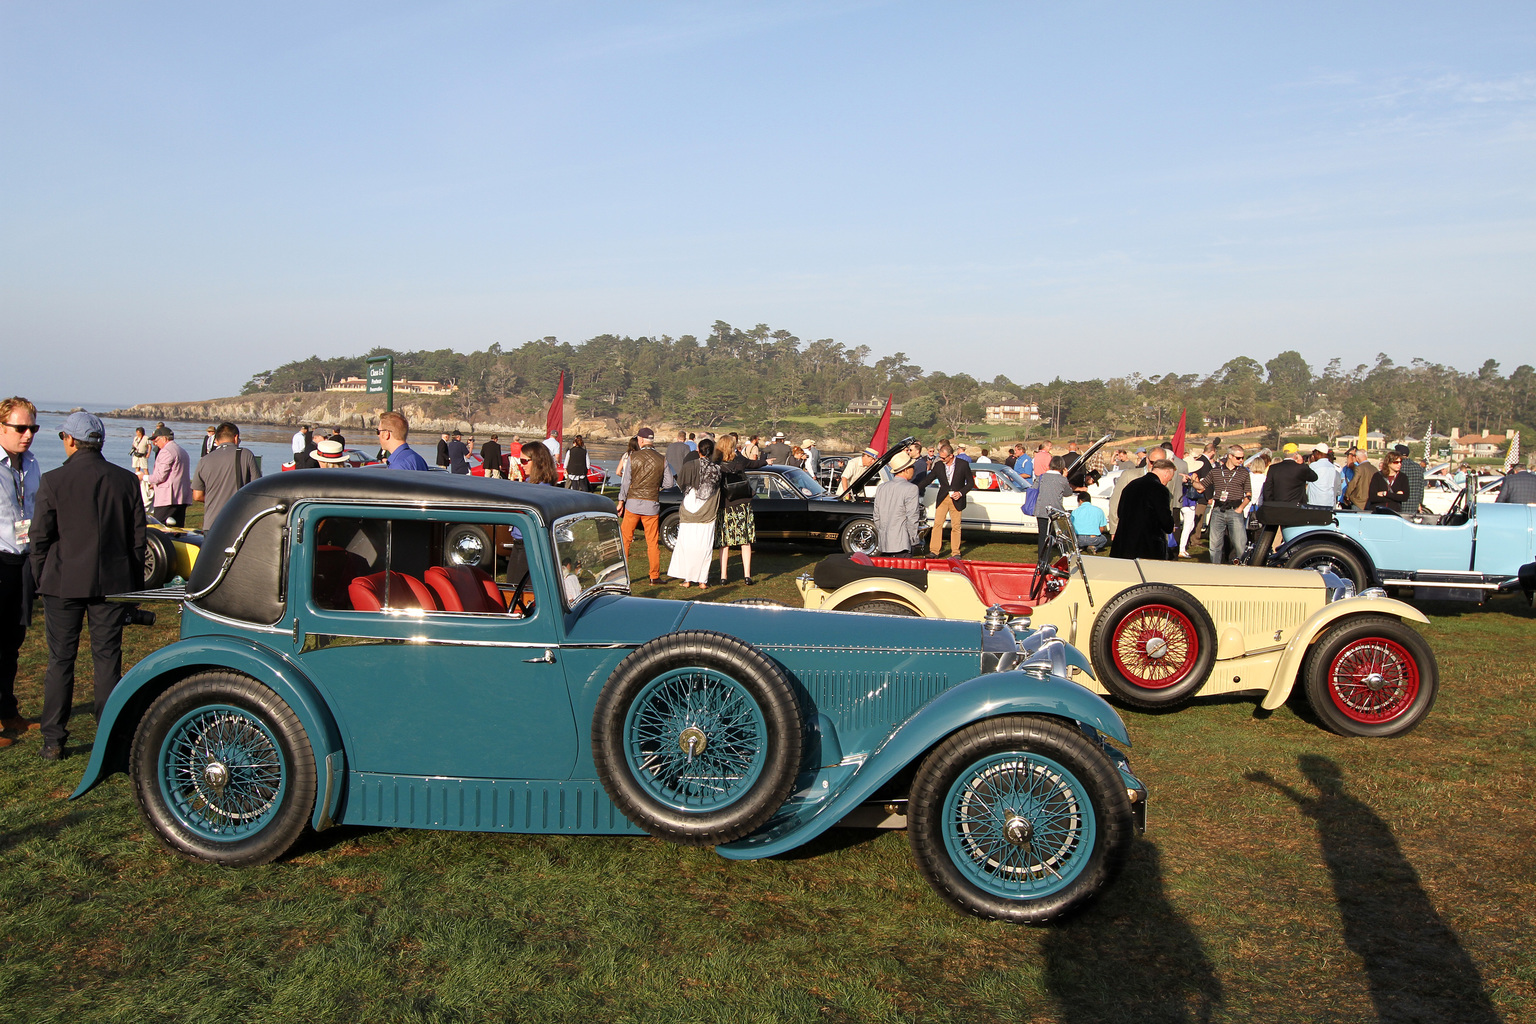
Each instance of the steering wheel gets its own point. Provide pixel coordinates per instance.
(1050, 579)
(1457, 513)
(522, 597)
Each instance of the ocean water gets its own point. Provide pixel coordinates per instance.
(272, 445)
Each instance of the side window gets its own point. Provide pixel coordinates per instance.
(413, 566)
(762, 485)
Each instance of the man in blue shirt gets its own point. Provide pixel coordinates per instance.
(18, 493)
(1023, 463)
(393, 430)
(1091, 525)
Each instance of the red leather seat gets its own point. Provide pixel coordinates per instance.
(367, 593)
(1002, 583)
(463, 588)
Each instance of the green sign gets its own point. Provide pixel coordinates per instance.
(381, 379)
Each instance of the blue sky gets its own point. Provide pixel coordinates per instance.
(191, 193)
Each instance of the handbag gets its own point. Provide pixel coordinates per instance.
(1031, 496)
(735, 488)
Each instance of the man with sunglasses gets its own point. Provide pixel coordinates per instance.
(18, 494)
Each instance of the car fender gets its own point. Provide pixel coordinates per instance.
(885, 587)
(998, 693)
(1282, 554)
(148, 679)
(1290, 662)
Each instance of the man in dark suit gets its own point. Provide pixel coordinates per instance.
(1286, 482)
(490, 457)
(955, 481)
(1145, 515)
(87, 542)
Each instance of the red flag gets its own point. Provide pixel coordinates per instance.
(1178, 437)
(554, 423)
(882, 436)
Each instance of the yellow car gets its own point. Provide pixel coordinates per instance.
(169, 552)
(1161, 633)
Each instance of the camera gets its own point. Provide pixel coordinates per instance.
(139, 617)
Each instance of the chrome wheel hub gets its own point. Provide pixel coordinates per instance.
(216, 775)
(1156, 648)
(1375, 681)
(692, 740)
(1017, 830)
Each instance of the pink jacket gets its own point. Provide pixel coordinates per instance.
(1042, 462)
(172, 476)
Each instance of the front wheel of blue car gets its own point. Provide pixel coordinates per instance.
(1019, 819)
(697, 737)
(223, 770)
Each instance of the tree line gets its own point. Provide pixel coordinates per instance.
(772, 377)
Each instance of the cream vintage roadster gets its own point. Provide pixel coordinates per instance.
(1161, 633)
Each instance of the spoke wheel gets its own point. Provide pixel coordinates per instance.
(223, 770)
(1153, 646)
(1372, 676)
(1018, 818)
(157, 559)
(697, 737)
(1334, 558)
(669, 527)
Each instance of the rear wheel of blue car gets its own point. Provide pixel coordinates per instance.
(697, 738)
(1327, 556)
(1371, 676)
(223, 770)
(1019, 818)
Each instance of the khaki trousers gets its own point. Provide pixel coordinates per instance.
(945, 507)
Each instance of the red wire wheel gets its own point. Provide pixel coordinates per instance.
(1153, 646)
(1371, 676)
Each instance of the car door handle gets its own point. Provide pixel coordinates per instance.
(547, 658)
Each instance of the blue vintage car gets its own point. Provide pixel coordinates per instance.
(1476, 549)
(430, 651)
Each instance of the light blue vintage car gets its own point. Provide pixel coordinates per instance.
(1475, 550)
(430, 651)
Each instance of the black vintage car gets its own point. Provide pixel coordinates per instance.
(788, 504)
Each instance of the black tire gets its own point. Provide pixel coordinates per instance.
(1371, 676)
(880, 608)
(1062, 849)
(1153, 646)
(267, 793)
(469, 544)
(669, 524)
(859, 537)
(1331, 557)
(157, 559)
(714, 691)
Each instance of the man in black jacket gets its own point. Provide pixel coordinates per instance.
(490, 457)
(1286, 482)
(1145, 517)
(955, 481)
(87, 542)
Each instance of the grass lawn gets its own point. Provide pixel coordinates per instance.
(1288, 874)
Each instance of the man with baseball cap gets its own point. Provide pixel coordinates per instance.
(898, 508)
(87, 542)
(1330, 480)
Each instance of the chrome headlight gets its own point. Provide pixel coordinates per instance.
(1339, 588)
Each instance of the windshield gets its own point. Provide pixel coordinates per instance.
(1009, 480)
(591, 553)
(802, 482)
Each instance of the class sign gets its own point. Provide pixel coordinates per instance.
(379, 382)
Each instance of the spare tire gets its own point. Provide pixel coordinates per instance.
(1153, 646)
(697, 737)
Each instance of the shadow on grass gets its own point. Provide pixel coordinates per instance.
(1131, 956)
(46, 830)
(1417, 968)
(831, 841)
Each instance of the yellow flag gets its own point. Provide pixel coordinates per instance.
(1361, 443)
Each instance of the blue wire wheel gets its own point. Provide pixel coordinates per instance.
(222, 773)
(1019, 826)
(696, 740)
